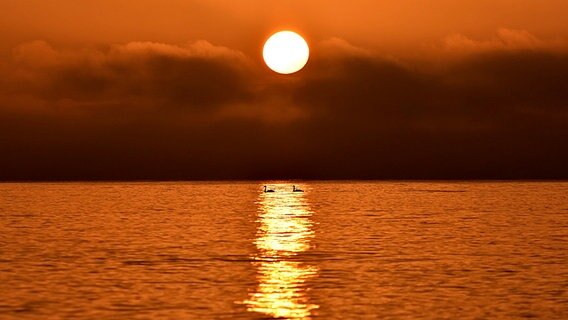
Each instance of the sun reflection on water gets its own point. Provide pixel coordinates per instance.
(284, 232)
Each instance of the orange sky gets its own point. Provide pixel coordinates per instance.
(243, 24)
(178, 90)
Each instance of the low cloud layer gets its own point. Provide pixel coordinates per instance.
(495, 108)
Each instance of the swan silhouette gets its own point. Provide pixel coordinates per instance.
(294, 189)
(267, 190)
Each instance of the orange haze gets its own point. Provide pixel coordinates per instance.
(394, 89)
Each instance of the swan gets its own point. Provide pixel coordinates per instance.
(296, 190)
(267, 190)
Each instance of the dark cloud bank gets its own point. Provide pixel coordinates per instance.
(154, 111)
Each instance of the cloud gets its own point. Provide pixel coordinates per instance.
(157, 111)
(500, 113)
(191, 77)
(505, 39)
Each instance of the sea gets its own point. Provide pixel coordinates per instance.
(337, 250)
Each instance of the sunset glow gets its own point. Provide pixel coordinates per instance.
(296, 160)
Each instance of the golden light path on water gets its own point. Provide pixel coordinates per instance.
(284, 232)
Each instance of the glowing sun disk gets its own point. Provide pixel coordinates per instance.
(286, 52)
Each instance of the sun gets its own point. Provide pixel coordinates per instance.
(286, 52)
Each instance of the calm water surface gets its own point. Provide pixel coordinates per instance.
(337, 251)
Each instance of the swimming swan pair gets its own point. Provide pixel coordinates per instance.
(294, 189)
